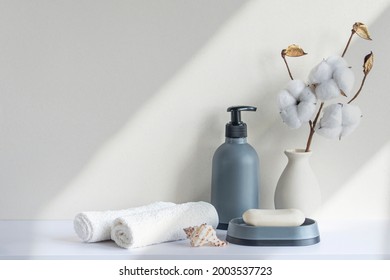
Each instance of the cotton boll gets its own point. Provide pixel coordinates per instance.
(290, 117)
(336, 61)
(330, 123)
(330, 132)
(307, 95)
(297, 104)
(305, 111)
(332, 116)
(320, 73)
(351, 115)
(285, 99)
(344, 78)
(339, 120)
(327, 90)
(295, 87)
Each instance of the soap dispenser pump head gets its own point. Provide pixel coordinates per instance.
(237, 128)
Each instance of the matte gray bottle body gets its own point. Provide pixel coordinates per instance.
(235, 171)
(235, 180)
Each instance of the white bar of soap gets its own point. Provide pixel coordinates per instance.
(274, 217)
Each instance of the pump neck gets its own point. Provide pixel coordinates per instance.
(241, 140)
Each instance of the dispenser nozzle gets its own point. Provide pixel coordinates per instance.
(236, 128)
(236, 113)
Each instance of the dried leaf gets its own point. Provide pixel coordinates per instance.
(368, 63)
(293, 51)
(361, 30)
(343, 93)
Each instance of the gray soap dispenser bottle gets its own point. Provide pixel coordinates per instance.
(235, 171)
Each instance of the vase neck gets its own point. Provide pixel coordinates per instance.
(297, 154)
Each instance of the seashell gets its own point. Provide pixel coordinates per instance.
(203, 235)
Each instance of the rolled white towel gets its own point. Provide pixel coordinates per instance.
(162, 225)
(94, 226)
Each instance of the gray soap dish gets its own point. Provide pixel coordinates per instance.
(240, 233)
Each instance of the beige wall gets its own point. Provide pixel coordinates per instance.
(113, 104)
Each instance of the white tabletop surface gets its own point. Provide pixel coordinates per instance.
(368, 239)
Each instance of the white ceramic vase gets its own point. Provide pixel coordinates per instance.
(298, 186)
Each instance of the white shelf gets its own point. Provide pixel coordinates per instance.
(57, 240)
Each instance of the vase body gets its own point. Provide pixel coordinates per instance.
(298, 186)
